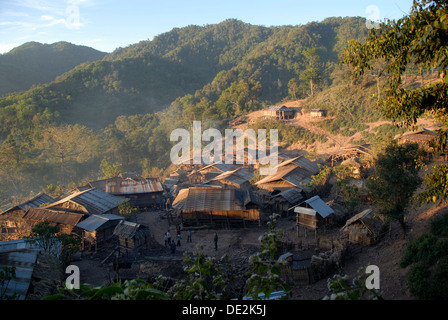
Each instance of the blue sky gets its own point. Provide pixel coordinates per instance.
(108, 24)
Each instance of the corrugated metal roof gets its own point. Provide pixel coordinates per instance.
(319, 206)
(130, 186)
(293, 195)
(95, 201)
(302, 162)
(128, 230)
(61, 217)
(21, 255)
(220, 167)
(34, 202)
(276, 108)
(238, 176)
(211, 199)
(94, 222)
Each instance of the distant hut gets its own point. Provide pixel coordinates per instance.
(280, 112)
(423, 137)
(318, 113)
(217, 207)
(313, 213)
(364, 228)
(239, 179)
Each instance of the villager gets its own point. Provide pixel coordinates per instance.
(173, 247)
(189, 236)
(216, 241)
(168, 236)
(166, 239)
(178, 239)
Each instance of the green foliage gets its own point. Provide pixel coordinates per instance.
(428, 258)
(342, 289)
(395, 179)
(266, 270)
(128, 290)
(126, 209)
(6, 275)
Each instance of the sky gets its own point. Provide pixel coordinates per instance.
(109, 24)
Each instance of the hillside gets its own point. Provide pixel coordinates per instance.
(34, 63)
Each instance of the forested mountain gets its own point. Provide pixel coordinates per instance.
(121, 109)
(33, 63)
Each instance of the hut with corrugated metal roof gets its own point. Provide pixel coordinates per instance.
(131, 236)
(142, 192)
(312, 213)
(364, 228)
(65, 221)
(283, 201)
(217, 207)
(292, 173)
(97, 230)
(11, 219)
(239, 179)
(90, 201)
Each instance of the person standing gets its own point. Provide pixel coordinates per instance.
(168, 236)
(189, 236)
(178, 239)
(216, 241)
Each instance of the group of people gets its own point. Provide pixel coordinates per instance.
(171, 243)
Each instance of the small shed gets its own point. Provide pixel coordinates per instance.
(280, 112)
(239, 179)
(313, 213)
(97, 230)
(422, 137)
(364, 228)
(281, 202)
(318, 113)
(131, 236)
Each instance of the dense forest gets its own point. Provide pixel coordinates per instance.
(33, 63)
(117, 112)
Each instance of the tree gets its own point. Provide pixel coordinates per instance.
(45, 236)
(6, 275)
(394, 181)
(312, 73)
(420, 38)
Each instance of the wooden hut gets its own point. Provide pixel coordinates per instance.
(364, 228)
(97, 230)
(239, 179)
(217, 207)
(90, 201)
(280, 112)
(131, 236)
(312, 213)
(281, 202)
(423, 137)
(318, 113)
(65, 221)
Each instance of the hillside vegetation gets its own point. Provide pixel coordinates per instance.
(120, 110)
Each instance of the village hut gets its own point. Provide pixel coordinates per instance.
(90, 201)
(142, 192)
(423, 137)
(364, 228)
(11, 219)
(318, 113)
(280, 112)
(217, 207)
(312, 213)
(65, 221)
(355, 167)
(97, 230)
(131, 236)
(215, 169)
(239, 179)
(292, 173)
(281, 202)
